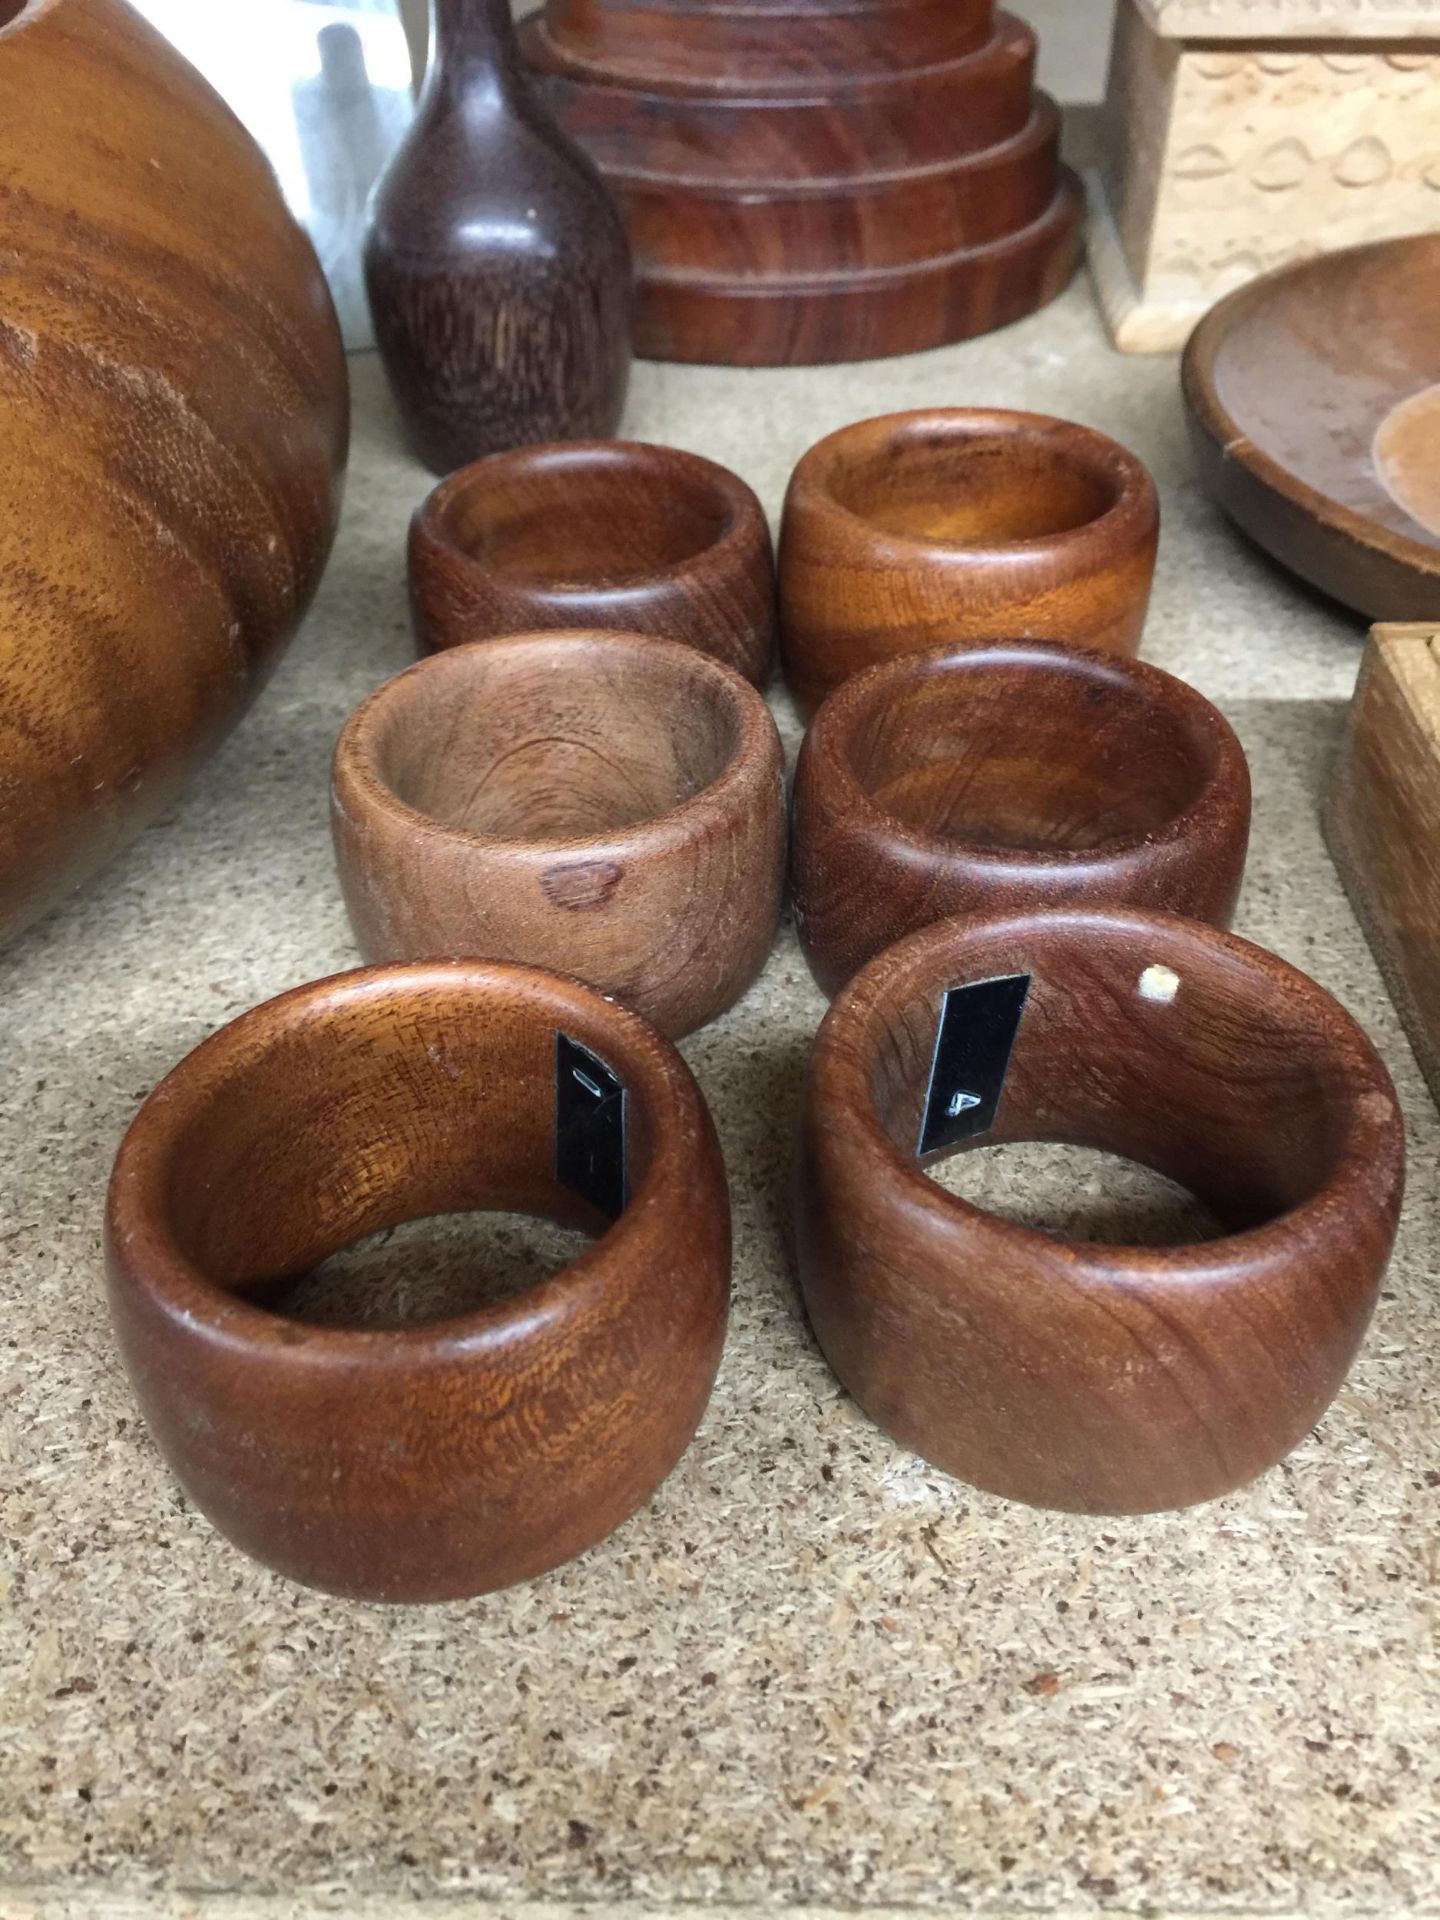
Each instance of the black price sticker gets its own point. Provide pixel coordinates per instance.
(978, 1025)
(590, 1146)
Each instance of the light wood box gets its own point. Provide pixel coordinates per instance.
(1240, 135)
(1383, 823)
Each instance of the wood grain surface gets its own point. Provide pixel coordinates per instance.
(173, 429)
(914, 529)
(441, 1460)
(1313, 415)
(597, 533)
(817, 184)
(609, 805)
(985, 778)
(1382, 821)
(497, 266)
(1084, 1376)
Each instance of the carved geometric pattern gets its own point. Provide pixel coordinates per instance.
(1224, 160)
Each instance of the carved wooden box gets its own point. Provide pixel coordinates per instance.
(1239, 135)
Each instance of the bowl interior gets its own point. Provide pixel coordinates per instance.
(361, 1110)
(590, 519)
(974, 486)
(1331, 370)
(1022, 751)
(545, 742)
(1156, 1044)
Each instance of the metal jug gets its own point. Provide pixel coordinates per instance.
(327, 89)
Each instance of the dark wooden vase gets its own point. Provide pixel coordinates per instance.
(829, 181)
(497, 265)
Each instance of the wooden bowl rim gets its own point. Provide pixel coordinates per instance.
(155, 1266)
(1135, 509)
(840, 1085)
(733, 551)
(1226, 789)
(1197, 377)
(757, 754)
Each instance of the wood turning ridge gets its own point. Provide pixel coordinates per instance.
(818, 182)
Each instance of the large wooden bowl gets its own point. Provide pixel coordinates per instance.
(173, 426)
(1314, 402)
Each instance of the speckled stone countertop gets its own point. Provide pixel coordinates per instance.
(814, 1674)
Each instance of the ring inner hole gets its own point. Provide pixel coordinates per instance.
(337, 1156)
(974, 489)
(551, 744)
(1078, 1193)
(437, 1268)
(582, 523)
(1024, 753)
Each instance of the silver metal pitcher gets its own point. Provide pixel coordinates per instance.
(327, 88)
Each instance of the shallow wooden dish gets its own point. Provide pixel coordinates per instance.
(1009, 774)
(960, 523)
(597, 533)
(1314, 403)
(607, 805)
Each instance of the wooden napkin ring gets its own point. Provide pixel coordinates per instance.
(960, 524)
(989, 777)
(597, 533)
(1097, 1378)
(450, 1458)
(609, 805)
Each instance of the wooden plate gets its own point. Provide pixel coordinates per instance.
(1314, 403)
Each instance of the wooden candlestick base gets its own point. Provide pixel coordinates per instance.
(832, 183)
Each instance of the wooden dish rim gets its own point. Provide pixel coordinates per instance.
(1231, 772)
(156, 1268)
(746, 529)
(1197, 373)
(757, 751)
(1130, 516)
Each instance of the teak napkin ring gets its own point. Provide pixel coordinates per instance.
(961, 524)
(599, 533)
(609, 805)
(985, 778)
(1097, 1378)
(447, 1459)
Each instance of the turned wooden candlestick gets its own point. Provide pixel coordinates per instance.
(434, 1461)
(610, 805)
(1099, 1378)
(826, 182)
(961, 524)
(1020, 773)
(497, 266)
(599, 533)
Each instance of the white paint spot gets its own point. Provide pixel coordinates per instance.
(1160, 985)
